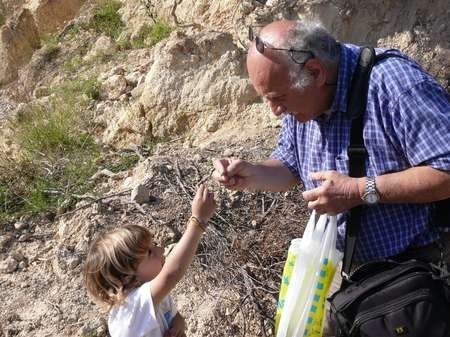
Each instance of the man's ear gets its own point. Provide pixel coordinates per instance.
(317, 70)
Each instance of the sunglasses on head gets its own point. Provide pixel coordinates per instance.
(299, 56)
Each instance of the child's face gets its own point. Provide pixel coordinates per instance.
(152, 264)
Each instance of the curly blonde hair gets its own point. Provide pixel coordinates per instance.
(112, 261)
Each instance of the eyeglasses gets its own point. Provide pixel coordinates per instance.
(297, 55)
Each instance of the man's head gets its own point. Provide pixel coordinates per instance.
(292, 64)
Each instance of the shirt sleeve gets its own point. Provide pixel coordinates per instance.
(285, 150)
(425, 114)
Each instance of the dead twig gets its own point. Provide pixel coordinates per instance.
(93, 201)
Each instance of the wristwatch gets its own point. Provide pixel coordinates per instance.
(371, 195)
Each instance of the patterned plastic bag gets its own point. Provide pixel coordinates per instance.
(307, 276)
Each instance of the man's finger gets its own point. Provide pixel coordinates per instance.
(319, 175)
(235, 167)
(311, 195)
(221, 165)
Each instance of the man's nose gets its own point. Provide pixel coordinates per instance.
(277, 109)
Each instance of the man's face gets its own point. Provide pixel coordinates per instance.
(277, 89)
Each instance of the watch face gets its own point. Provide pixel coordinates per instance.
(371, 198)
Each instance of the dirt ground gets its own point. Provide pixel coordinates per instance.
(230, 289)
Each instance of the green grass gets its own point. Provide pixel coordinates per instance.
(122, 162)
(73, 64)
(2, 14)
(76, 89)
(50, 46)
(73, 31)
(151, 34)
(107, 20)
(57, 154)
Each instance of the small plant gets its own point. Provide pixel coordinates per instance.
(50, 46)
(57, 154)
(107, 20)
(72, 90)
(3, 14)
(122, 162)
(73, 64)
(152, 34)
(73, 31)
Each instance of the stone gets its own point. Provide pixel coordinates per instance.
(18, 40)
(212, 124)
(4, 240)
(113, 87)
(73, 261)
(19, 225)
(8, 266)
(24, 237)
(103, 46)
(140, 194)
(228, 153)
(138, 90)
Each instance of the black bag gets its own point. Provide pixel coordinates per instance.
(387, 298)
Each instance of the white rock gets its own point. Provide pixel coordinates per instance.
(19, 225)
(73, 261)
(103, 46)
(113, 87)
(228, 153)
(8, 265)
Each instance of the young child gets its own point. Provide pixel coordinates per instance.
(126, 273)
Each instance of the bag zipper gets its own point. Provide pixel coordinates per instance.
(399, 278)
(400, 303)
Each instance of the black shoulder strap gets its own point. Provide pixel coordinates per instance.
(442, 215)
(357, 153)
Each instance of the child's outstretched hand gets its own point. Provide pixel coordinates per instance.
(203, 205)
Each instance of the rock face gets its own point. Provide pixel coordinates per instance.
(21, 35)
(18, 40)
(194, 79)
(50, 15)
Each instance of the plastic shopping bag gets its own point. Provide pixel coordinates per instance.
(293, 251)
(300, 310)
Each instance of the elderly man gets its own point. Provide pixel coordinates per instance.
(304, 74)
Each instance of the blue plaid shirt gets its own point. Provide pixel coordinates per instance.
(407, 123)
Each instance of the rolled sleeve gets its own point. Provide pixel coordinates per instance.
(286, 147)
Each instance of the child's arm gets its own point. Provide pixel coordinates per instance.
(177, 327)
(177, 262)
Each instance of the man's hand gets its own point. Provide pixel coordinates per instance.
(177, 327)
(235, 174)
(338, 192)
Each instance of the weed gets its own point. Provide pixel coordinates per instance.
(151, 34)
(107, 20)
(3, 14)
(50, 46)
(73, 64)
(121, 161)
(57, 154)
(72, 90)
(73, 31)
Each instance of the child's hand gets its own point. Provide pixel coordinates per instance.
(177, 327)
(203, 205)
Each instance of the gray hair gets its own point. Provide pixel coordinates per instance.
(312, 36)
